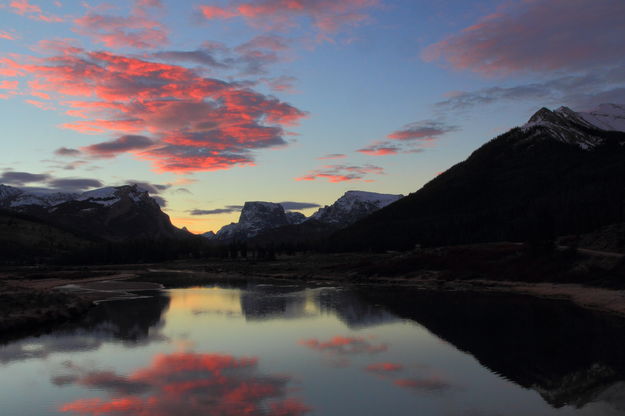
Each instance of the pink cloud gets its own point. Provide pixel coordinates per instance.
(32, 11)
(23, 7)
(216, 12)
(6, 35)
(281, 84)
(327, 16)
(538, 35)
(9, 85)
(40, 105)
(342, 173)
(195, 122)
(380, 149)
(119, 31)
(186, 384)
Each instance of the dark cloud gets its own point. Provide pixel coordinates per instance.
(199, 56)
(226, 210)
(580, 91)
(290, 205)
(182, 191)
(422, 130)
(21, 178)
(152, 188)
(121, 145)
(74, 185)
(333, 156)
(66, 151)
(250, 58)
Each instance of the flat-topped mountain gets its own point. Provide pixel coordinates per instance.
(256, 217)
(561, 173)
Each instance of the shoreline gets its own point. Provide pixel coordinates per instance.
(37, 299)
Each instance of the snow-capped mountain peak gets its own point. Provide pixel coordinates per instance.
(582, 129)
(353, 206)
(11, 197)
(111, 195)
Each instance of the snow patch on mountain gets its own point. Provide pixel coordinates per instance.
(606, 117)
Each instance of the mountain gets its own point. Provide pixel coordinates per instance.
(268, 222)
(256, 217)
(312, 232)
(561, 173)
(112, 213)
(353, 206)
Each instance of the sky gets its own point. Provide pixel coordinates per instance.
(211, 103)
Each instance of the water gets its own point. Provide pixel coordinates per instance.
(287, 351)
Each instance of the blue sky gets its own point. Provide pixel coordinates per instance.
(222, 102)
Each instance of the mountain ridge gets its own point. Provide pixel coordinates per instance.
(110, 213)
(558, 174)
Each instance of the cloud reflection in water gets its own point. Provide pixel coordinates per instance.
(187, 384)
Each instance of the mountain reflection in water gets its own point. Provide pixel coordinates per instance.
(259, 349)
(568, 354)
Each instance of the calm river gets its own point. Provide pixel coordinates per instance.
(269, 350)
